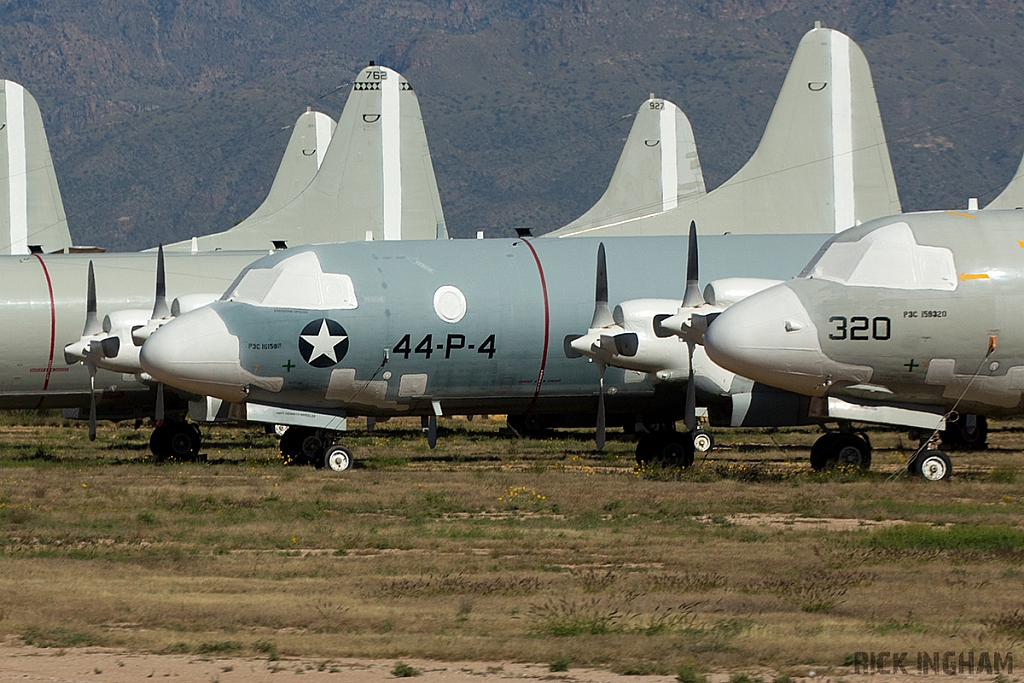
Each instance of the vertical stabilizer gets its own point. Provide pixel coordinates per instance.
(658, 169)
(30, 205)
(306, 150)
(376, 177)
(307, 147)
(822, 164)
(1012, 196)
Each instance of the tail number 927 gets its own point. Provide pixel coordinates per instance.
(860, 328)
(452, 343)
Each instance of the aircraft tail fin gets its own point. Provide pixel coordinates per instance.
(375, 179)
(380, 175)
(658, 169)
(307, 147)
(823, 155)
(1012, 196)
(821, 166)
(31, 211)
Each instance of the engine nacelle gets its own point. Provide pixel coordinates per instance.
(729, 290)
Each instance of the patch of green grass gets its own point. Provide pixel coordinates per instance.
(642, 669)
(688, 673)
(560, 664)
(989, 539)
(61, 637)
(403, 670)
(218, 647)
(1003, 474)
(267, 647)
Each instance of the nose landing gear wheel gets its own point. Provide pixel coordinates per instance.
(338, 458)
(934, 466)
(703, 441)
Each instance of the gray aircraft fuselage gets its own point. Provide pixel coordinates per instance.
(43, 302)
(903, 310)
(478, 326)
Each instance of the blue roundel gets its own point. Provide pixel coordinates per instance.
(323, 343)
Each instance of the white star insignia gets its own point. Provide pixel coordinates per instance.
(323, 343)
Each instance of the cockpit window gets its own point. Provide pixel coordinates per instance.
(887, 257)
(294, 282)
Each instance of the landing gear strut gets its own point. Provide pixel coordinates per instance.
(966, 433)
(179, 441)
(841, 449)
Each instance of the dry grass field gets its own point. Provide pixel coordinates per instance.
(496, 548)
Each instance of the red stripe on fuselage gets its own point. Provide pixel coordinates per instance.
(53, 325)
(547, 325)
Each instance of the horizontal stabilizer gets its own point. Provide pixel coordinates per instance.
(30, 203)
(822, 164)
(658, 169)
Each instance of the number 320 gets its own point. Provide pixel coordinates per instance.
(860, 328)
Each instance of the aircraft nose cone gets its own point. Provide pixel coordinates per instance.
(196, 352)
(769, 338)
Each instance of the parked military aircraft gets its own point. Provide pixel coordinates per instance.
(904, 320)
(30, 203)
(315, 334)
(43, 297)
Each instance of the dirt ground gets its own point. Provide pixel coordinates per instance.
(100, 665)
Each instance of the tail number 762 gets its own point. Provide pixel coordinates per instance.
(860, 328)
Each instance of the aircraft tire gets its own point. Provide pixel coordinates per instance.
(850, 450)
(935, 466)
(820, 450)
(703, 441)
(914, 466)
(959, 436)
(337, 458)
(645, 447)
(675, 450)
(178, 441)
(302, 446)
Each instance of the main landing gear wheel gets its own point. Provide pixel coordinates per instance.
(337, 458)
(967, 433)
(178, 441)
(837, 449)
(933, 466)
(303, 446)
(670, 449)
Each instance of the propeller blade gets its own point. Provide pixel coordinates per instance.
(160, 308)
(92, 323)
(92, 401)
(432, 431)
(690, 416)
(158, 414)
(693, 296)
(602, 314)
(599, 436)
